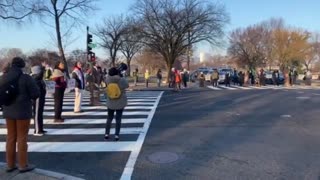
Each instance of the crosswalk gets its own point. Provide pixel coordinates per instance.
(235, 87)
(84, 132)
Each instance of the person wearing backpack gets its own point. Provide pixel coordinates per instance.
(37, 73)
(116, 100)
(18, 113)
(59, 77)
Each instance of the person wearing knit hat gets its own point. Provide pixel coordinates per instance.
(37, 73)
(18, 114)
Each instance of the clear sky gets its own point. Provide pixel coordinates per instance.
(298, 13)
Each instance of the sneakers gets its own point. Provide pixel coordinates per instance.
(81, 111)
(38, 134)
(106, 137)
(116, 138)
(28, 168)
(8, 169)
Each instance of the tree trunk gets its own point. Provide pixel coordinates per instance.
(286, 77)
(60, 46)
(188, 63)
(169, 67)
(129, 66)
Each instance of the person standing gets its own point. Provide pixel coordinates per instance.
(185, 77)
(146, 77)
(37, 73)
(18, 115)
(215, 78)
(172, 78)
(159, 77)
(59, 77)
(201, 79)
(116, 100)
(78, 75)
(227, 80)
(177, 80)
(135, 77)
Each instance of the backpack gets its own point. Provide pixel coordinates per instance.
(113, 91)
(9, 92)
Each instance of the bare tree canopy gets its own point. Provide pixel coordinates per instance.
(171, 27)
(66, 14)
(131, 41)
(110, 34)
(17, 9)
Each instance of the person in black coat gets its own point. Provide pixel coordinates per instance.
(18, 115)
(37, 73)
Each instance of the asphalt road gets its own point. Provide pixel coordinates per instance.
(201, 133)
(242, 134)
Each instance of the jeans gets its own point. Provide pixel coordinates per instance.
(118, 120)
(17, 132)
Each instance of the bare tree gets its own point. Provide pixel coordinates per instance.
(68, 13)
(313, 53)
(247, 47)
(111, 33)
(17, 10)
(171, 27)
(131, 42)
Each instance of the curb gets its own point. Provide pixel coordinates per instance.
(49, 174)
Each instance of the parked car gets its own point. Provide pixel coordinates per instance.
(222, 74)
(269, 80)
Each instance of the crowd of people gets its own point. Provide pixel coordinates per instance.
(29, 95)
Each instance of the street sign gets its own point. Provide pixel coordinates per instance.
(91, 45)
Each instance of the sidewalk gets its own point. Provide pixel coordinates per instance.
(154, 87)
(36, 174)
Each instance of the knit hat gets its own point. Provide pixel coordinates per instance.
(36, 70)
(18, 62)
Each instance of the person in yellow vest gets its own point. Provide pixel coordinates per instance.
(146, 77)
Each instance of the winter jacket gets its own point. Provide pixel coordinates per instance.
(40, 83)
(21, 108)
(77, 74)
(59, 77)
(117, 104)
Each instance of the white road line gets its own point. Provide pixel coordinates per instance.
(82, 131)
(103, 100)
(88, 121)
(76, 146)
(128, 170)
(94, 113)
(227, 88)
(98, 107)
(87, 103)
(240, 87)
(214, 88)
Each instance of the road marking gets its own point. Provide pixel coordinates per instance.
(125, 113)
(82, 131)
(103, 100)
(128, 170)
(97, 107)
(286, 116)
(88, 121)
(76, 146)
(303, 97)
(87, 103)
(214, 88)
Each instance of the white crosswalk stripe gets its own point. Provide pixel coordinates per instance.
(136, 120)
(235, 87)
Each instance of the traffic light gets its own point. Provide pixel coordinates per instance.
(92, 57)
(89, 43)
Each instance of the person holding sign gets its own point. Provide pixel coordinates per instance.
(60, 79)
(77, 74)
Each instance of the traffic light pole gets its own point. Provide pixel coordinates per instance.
(87, 44)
